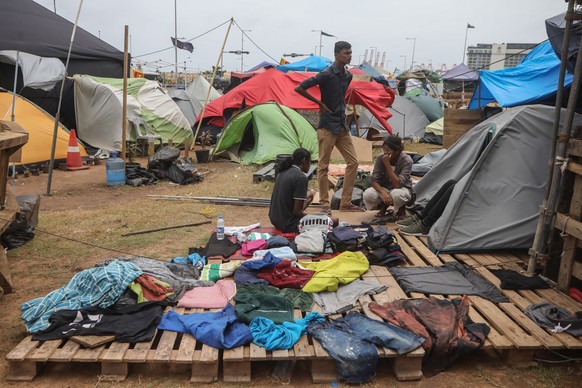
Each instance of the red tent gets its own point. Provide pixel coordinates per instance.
(274, 85)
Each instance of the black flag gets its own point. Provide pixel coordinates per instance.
(182, 45)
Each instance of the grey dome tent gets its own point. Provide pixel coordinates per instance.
(407, 119)
(501, 169)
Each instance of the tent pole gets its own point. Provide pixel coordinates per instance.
(124, 108)
(14, 90)
(558, 149)
(355, 118)
(218, 61)
(57, 115)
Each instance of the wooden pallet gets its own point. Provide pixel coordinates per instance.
(237, 362)
(26, 360)
(513, 334)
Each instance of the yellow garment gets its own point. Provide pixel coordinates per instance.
(342, 269)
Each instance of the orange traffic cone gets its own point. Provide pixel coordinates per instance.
(74, 161)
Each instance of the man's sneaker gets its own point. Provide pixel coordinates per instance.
(416, 229)
(408, 221)
(326, 210)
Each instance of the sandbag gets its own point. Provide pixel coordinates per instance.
(160, 163)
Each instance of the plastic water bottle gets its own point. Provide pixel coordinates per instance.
(220, 228)
(115, 169)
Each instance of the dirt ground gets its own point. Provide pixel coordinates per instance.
(85, 191)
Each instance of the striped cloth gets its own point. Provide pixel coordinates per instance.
(100, 286)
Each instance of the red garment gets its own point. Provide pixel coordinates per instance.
(248, 247)
(286, 275)
(150, 289)
(289, 236)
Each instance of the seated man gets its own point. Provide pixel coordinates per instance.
(391, 183)
(420, 224)
(290, 195)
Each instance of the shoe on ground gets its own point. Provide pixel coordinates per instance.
(326, 210)
(416, 229)
(351, 208)
(408, 221)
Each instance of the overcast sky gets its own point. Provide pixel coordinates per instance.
(280, 27)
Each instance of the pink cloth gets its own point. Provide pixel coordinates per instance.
(248, 247)
(213, 297)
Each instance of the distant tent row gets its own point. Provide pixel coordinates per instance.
(501, 169)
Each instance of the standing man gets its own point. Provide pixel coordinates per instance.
(333, 83)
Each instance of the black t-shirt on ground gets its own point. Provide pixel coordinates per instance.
(290, 185)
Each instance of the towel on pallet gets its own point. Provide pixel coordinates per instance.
(216, 296)
(271, 336)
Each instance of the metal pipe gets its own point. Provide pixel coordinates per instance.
(14, 89)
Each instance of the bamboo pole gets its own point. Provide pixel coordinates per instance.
(201, 115)
(165, 228)
(124, 109)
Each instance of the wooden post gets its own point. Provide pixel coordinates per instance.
(124, 109)
(355, 116)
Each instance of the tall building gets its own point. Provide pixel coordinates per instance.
(497, 56)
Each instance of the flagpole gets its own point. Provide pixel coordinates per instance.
(320, 36)
(176, 43)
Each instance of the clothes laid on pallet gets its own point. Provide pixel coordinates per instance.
(266, 262)
(301, 300)
(351, 342)
(136, 323)
(286, 275)
(216, 248)
(160, 271)
(215, 272)
(100, 286)
(449, 279)
(344, 299)
(249, 247)
(245, 276)
(554, 317)
(271, 336)
(380, 237)
(280, 252)
(213, 297)
(386, 257)
(276, 308)
(148, 288)
(444, 324)
(512, 280)
(342, 269)
(220, 329)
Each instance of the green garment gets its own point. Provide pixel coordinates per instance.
(342, 269)
(215, 272)
(276, 308)
(301, 300)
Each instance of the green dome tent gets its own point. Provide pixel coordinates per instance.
(260, 133)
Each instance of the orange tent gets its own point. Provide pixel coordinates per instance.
(39, 125)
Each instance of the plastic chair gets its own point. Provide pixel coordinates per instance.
(143, 134)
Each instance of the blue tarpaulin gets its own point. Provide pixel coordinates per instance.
(533, 80)
(311, 63)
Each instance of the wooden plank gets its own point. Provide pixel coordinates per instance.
(257, 352)
(568, 225)
(575, 147)
(423, 250)
(302, 349)
(393, 292)
(22, 370)
(537, 332)
(574, 167)
(114, 371)
(115, 352)
(24, 347)
(140, 351)
(497, 340)
(66, 353)
(237, 366)
(165, 346)
(187, 347)
(88, 355)
(281, 354)
(411, 256)
(92, 341)
(44, 351)
(570, 243)
(504, 324)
